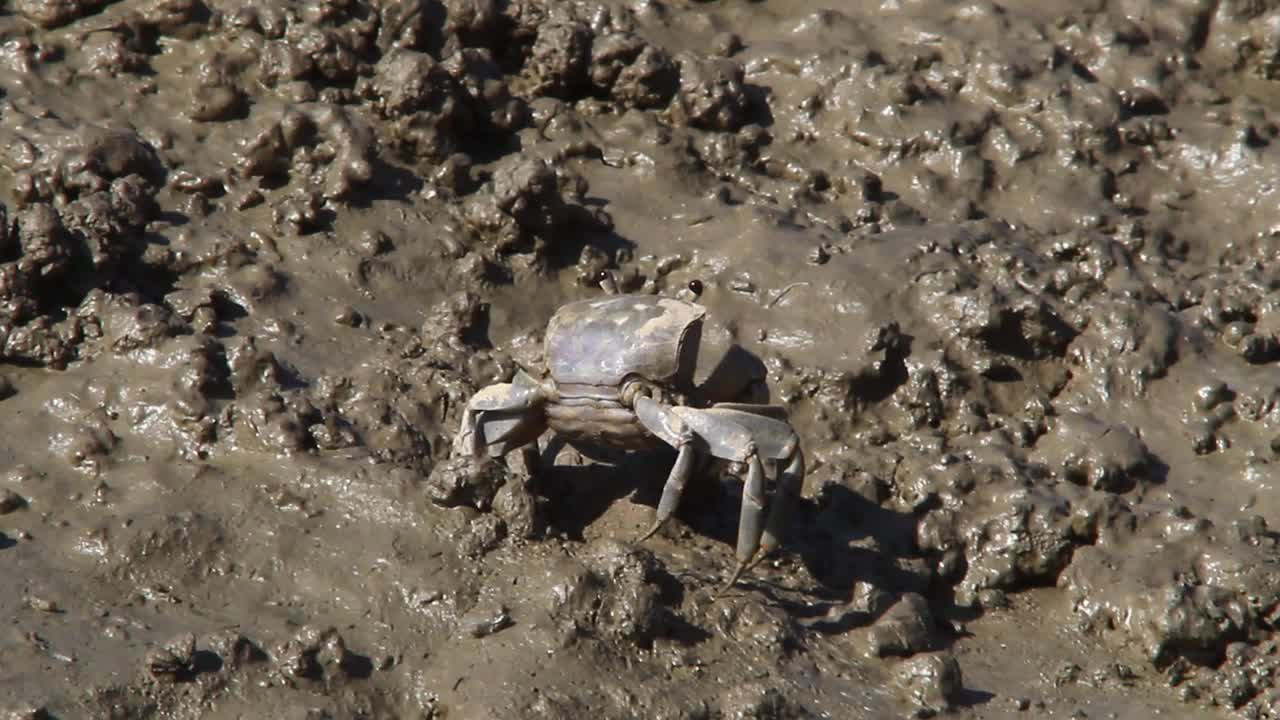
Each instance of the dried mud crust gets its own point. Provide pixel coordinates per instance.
(1011, 271)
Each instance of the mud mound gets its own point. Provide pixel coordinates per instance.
(1009, 269)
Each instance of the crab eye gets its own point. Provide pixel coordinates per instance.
(601, 276)
(695, 287)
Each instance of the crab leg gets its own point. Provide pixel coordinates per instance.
(737, 434)
(751, 519)
(789, 485)
(674, 488)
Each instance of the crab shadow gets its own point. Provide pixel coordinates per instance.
(583, 493)
(840, 537)
(843, 540)
(584, 483)
(567, 252)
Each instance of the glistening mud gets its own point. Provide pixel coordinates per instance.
(1012, 269)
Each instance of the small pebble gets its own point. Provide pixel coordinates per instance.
(348, 316)
(486, 620)
(43, 604)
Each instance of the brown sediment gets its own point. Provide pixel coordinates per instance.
(1012, 270)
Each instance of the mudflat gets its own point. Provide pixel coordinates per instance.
(1013, 269)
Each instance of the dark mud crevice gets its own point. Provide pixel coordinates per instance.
(1011, 337)
(759, 111)
(1002, 373)
(893, 372)
(475, 333)
(973, 698)
(388, 183)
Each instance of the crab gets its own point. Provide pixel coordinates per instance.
(620, 375)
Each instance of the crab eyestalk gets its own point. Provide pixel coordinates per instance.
(636, 387)
(608, 282)
(691, 292)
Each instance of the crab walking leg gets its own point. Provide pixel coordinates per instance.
(751, 519)
(741, 433)
(785, 496)
(674, 488)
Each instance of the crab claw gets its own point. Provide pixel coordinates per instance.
(501, 417)
(464, 443)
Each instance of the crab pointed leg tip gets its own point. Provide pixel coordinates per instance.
(653, 530)
(756, 562)
(733, 579)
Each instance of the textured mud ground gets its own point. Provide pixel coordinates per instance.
(1014, 269)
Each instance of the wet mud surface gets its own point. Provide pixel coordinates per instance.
(1013, 270)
